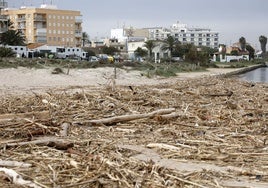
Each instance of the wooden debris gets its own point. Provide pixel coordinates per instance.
(125, 118)
(18, 179)
(193, 133)
(14, 164)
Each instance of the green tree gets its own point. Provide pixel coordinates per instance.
(181, 50)
(263, 41)
(85, 38)
(6, 52)
(251, 51)
(12, 37)
(191, 54)
(242, 42)
(169, 44)
(109, 50)
(234, 52)
(150, 45)
(139, 52)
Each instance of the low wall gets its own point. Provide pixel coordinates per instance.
(242, 70)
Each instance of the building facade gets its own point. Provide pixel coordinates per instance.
(181, 32)
(3, 18)
(48, 25)
(197, 36)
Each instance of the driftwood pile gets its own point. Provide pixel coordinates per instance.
(209, 132)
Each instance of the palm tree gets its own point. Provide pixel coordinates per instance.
(263, 41)
(150, 45)
(242, 42)
(13, 37)
(85, 38)
(169, 44)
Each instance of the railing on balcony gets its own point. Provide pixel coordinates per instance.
(78, 33)
(39, 19)
(2, 30)
(41, 39)
(3, 17)
(41, 33)
(3, 4)
(21, 19)
(78, 19)
(21, 27)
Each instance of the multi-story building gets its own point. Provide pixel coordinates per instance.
(182, 33)
(196, 36)
(48, 25)
(3, 18)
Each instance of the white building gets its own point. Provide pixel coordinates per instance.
(196, 36)
(3, 18)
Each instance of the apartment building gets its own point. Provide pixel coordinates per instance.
(3, 18)
(182, 33)
(48, 25)
(196, 36)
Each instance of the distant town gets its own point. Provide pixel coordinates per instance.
(49, 30)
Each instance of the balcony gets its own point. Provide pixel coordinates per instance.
(41, 33)
(3, 18)
(21, 19)
(78, 33)
(40, 19)
(2, 30)
(78, 19)
(3, 4)
(41, 39)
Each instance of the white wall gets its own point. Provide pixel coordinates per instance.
(118, 34)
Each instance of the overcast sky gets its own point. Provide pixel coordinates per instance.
(231, 18)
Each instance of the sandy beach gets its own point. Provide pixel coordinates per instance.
(21, 80)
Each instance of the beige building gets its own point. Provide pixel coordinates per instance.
(48, 25)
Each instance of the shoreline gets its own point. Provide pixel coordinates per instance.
(24, 80)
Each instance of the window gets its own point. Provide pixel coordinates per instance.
(59, 39)
(215, 39)
(192, 35)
